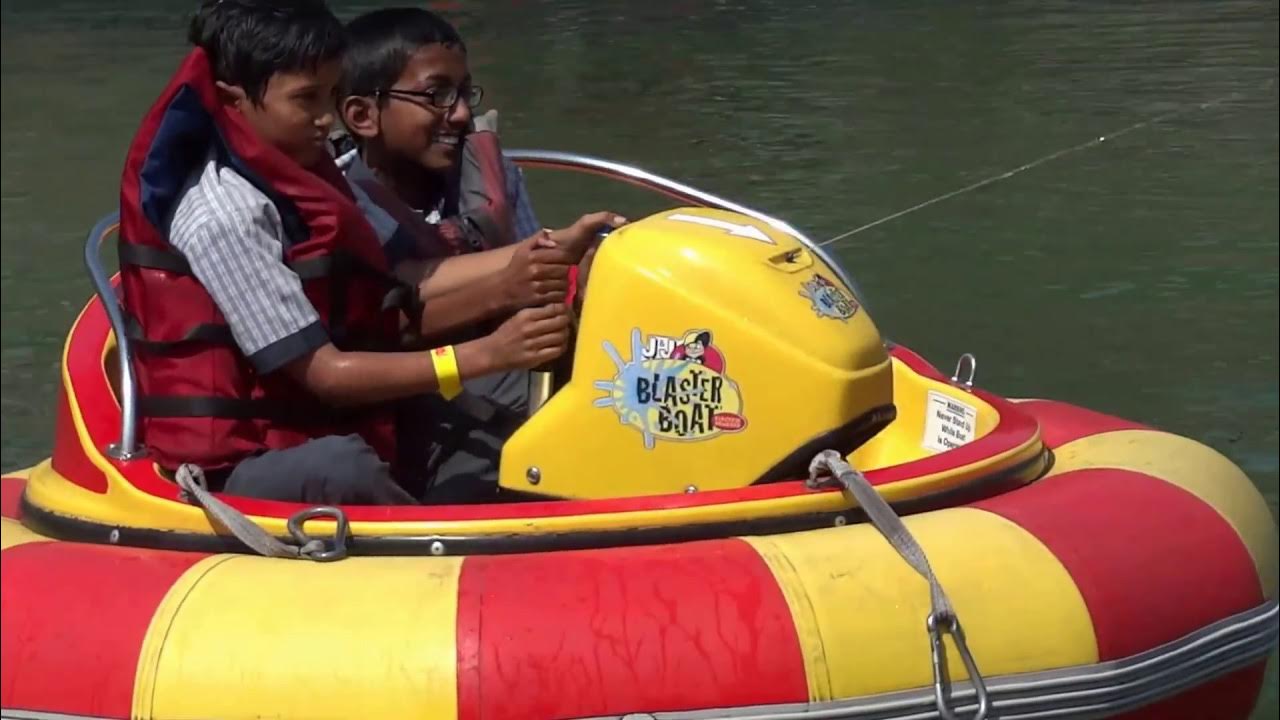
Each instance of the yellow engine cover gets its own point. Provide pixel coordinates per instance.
(711, 346)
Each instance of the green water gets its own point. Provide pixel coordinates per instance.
(1137, 276)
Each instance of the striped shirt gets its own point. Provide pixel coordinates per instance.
(232, 236)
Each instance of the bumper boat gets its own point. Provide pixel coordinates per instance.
(712, 544)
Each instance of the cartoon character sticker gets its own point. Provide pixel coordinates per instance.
(696, 346)
(673, 388)
(828, 299)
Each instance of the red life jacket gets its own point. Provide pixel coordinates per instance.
(200, 399)
(480, 189)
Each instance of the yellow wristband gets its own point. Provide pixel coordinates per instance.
(447, 376)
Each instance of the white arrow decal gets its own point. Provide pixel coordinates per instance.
(746, 231)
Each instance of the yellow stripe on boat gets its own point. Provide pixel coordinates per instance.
(15, 534)
(805, 618)
(153, 643)
(856, 612)
(383, 629)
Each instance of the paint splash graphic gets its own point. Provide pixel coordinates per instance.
(669, 398)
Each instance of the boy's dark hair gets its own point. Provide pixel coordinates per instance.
(248, 41)
(379, 45)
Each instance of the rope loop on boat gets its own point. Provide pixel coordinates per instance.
(967, 368)
(829, 467)
(195, 490)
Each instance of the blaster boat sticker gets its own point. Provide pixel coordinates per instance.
(828, 299)
(673, 388)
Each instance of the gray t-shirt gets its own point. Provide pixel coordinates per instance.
(468, 432)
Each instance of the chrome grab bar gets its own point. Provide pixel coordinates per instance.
(126, 448)
(551, 159)
(540, 386)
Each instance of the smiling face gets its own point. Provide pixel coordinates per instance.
(295, 112)
(414, 129)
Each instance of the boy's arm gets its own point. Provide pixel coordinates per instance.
(237, 257)
(530, 338)
(465, 289)
(456, 290)
(536, 273)
(526, 223)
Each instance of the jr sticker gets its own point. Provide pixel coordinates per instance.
(674, 388)
(828, 299)
(948, 423)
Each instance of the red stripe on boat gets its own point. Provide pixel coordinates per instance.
(700, 625)
(11, 497)
(74, 617)
(1100, 524)
(1061, 423)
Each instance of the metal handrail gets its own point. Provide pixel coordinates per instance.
(127, 446)
(552, 159)
(540, 387)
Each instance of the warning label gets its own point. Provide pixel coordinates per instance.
(948, 423)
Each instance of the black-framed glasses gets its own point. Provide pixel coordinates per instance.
(441, 98)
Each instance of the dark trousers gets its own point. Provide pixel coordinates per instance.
(333, 470)
(444, 456)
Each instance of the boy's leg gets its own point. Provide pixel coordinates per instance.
(465, 465)
(466, 441)
(334, 470)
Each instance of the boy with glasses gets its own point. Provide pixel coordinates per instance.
(432, 179)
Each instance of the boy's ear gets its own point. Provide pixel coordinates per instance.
(232, 95)
(360, 115)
